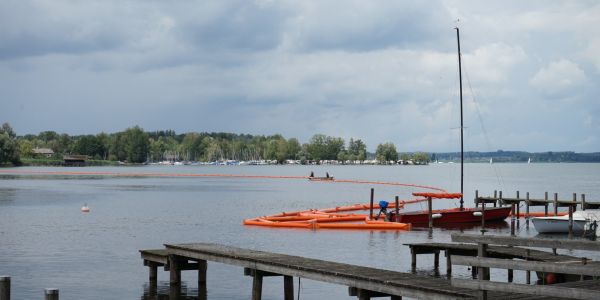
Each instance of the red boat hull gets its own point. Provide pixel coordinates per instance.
(455, 215)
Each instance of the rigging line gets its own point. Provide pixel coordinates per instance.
(481, 123)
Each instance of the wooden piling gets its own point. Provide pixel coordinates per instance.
(518, 211)
(371, 206)
(483, 217)
(476, 198)
(546, 205)
(397, 218)
(288, 287)
(495, 197)
(571, 217)
(51, 294)
(257, 285)
(436, 260)
(512, 219)
(500, 198)
(413, 261)
(202, 267)
(583, 202)
(527, 210)
(448, 263)
(4, 287)
(175, 264)
(527, 273)
(555, 204)
(429, 211)
(510, 275)
(482, 273)
(152, 272)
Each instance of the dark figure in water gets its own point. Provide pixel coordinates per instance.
(327, 174)
(312, 174)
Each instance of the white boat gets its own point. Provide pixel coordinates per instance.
(582, 221)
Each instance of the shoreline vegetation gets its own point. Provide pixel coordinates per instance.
(134, 146)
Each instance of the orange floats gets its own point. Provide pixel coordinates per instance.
(339, 217)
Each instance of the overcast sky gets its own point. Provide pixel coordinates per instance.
(381, 71)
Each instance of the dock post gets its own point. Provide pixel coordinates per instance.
(527, 210)
(500, 199)
(397, 210)
(175, 263)
(518, 211)
(571, 217)
(152, 272)
(257, 285)
(482, 273)
(202, 290)
(512, 219)
(4, 287)
(476, 198)
(483, 218)
(288, 287)
(436, 260)
(510, 275)
(448, 263)
(527, 273)
(371, 206)
(429, 211)
(413, 261)
(582, 201)
(555, 204)
(495, 198)
(51, 294)
(546, 204)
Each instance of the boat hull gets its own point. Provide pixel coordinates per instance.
(446, 216)
(557, 225)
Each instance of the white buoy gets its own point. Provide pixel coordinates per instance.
(477, 214)
(85, 208)
(436, 216)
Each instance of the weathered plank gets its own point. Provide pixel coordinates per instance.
(538, 290)
(552, 267)
(527, 242)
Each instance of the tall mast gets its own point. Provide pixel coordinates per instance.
(462, 155)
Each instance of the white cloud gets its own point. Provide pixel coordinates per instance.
(558, 78)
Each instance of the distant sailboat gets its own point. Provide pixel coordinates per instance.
(491, 160)
(529, 160)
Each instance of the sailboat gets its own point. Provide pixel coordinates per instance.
(460, 214)
(529, 160)
(491, 160)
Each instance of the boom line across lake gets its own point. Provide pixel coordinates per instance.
(213, 175)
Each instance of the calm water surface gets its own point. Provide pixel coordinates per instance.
(45, 240)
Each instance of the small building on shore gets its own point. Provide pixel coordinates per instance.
(75, 160)
(42, 152)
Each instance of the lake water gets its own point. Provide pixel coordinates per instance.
(46, 241)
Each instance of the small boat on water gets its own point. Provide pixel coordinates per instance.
(321, 178)
(582, 221)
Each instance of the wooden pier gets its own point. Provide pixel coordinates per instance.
(363, 282)
(453, 249)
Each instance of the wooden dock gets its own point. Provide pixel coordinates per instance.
(362, 282)
(471, 250)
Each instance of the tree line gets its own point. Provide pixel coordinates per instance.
(135, 145)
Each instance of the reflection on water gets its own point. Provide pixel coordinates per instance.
(163, 291)
(43, 232)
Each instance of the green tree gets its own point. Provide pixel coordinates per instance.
(421, 158)
(9, 147)
(89, 145)
(137, 144)
(358, 149)
(386, 152)
(25, 148)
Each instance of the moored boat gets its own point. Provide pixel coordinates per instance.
(455, 215)
(582, 220)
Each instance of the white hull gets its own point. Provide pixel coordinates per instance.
(557, 225)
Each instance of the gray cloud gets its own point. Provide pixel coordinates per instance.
(376, 70)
